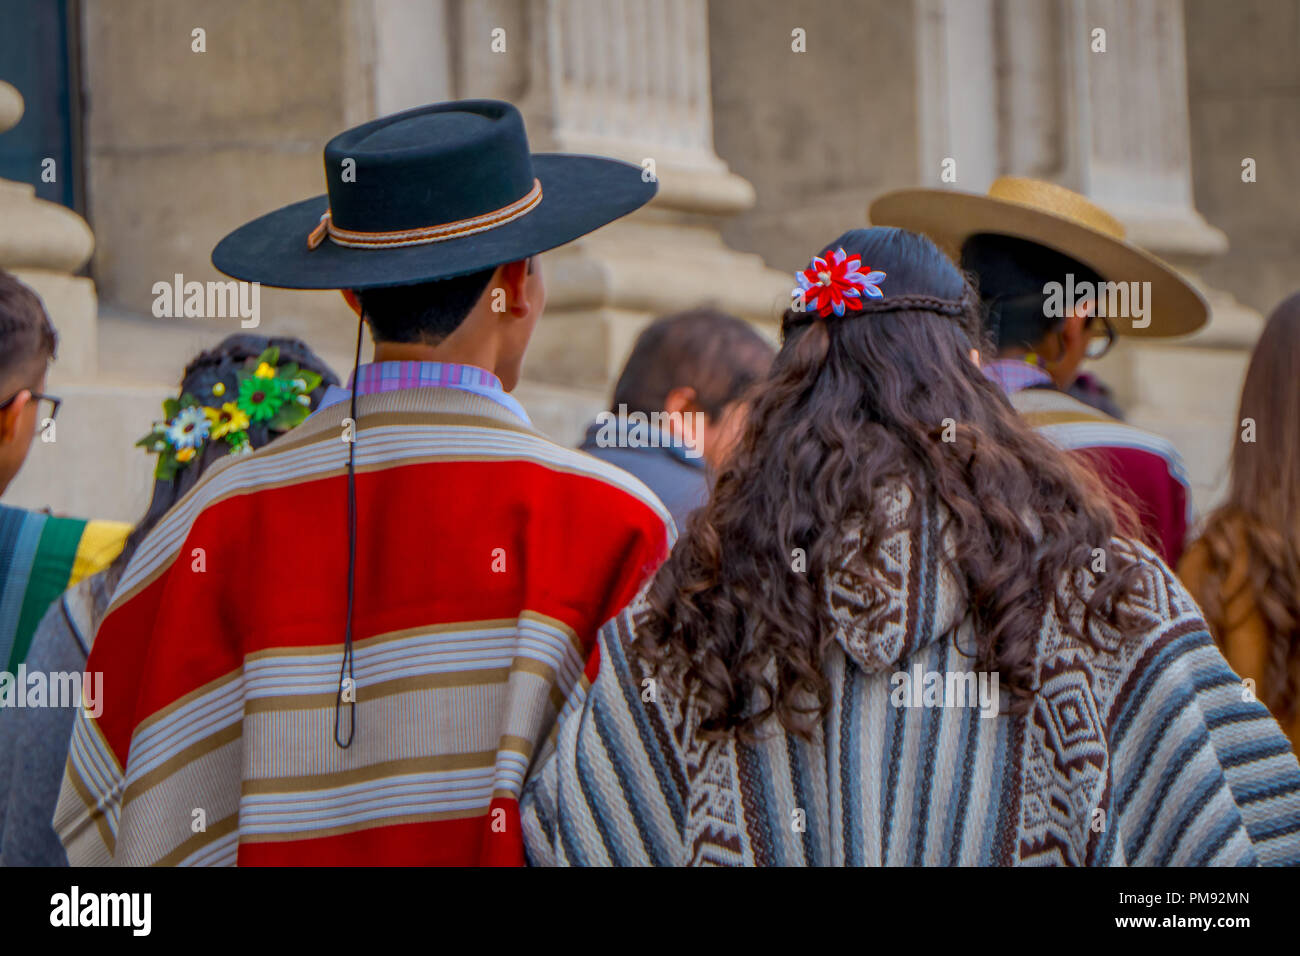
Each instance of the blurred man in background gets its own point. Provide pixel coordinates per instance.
(680, 403)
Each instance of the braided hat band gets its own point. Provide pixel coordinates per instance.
(423, 235)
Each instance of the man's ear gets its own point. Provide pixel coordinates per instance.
(352, 299)
(680, 400)
(513, 279)
(10, 415)
(1072, 330)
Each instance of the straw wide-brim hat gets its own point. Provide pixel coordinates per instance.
(1059, 219)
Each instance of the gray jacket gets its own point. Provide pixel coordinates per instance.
(34, 740)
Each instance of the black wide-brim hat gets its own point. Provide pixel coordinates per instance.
(431, 193)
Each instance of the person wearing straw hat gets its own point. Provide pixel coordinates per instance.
(1058, 284)
(346, 647)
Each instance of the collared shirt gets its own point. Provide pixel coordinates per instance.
(1015, 375)
(375, 377)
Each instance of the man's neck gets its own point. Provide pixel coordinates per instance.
(1024, 355)
(443, 352)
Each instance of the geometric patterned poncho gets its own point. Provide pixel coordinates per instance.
(1147, 753)
(487, 557)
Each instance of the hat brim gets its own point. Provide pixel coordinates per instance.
(579, 195)
(950, 218)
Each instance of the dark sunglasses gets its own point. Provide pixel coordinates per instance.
(54, 401)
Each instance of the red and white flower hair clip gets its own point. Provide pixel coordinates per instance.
(834, 282)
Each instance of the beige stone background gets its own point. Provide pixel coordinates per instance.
(762, 152)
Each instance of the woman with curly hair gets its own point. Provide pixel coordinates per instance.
(904, 630)
(1245, 567)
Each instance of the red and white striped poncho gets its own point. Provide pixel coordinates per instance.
(487, 557)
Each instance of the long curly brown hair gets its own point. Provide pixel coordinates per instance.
(853, 406)
(1259, 521)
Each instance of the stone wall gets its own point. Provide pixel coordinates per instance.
(885, 92)
(1244, 94)
(762, 153)
(180, 147)
(821, 132)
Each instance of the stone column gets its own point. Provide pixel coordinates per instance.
(630, 81)
(957, 92)
(1129, 106)
(1114, 126)
(44, 245)
(181, 145)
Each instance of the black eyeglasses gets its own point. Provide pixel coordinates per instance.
(1099, 339)
(53, 404)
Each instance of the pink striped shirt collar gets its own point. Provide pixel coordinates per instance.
(375, 377)
(1014, 375)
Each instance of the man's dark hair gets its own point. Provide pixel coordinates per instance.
(716, 354)
(428, 312)
(1010, 275)
(26, 333)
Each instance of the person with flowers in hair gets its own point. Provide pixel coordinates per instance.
(212, 418)
(907, 629)
(271, 395)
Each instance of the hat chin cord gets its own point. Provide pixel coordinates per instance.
(346, 666)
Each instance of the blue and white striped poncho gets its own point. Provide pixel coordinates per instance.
(1153, 754)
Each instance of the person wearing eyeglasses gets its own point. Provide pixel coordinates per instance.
(46, 408)
(29, 342)
(1059, 285)
(41, 555)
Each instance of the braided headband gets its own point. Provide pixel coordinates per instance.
(900, 303)
(424, 235)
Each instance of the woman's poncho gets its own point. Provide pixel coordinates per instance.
(1150, 753)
